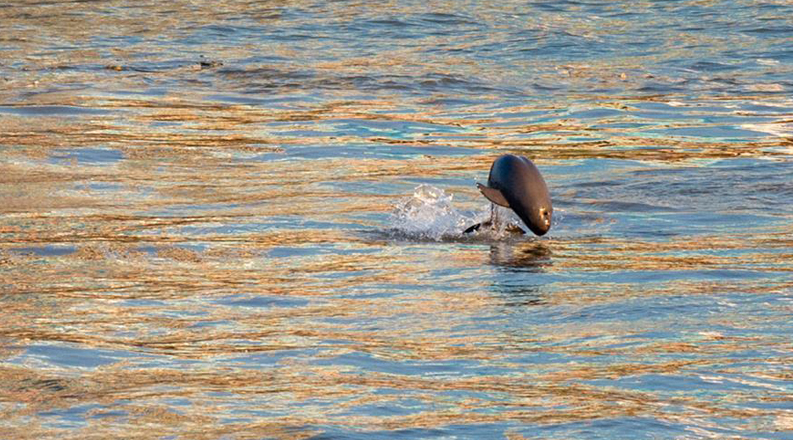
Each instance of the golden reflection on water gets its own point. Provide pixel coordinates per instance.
(87, 296)
(146, 261)
(52, 309)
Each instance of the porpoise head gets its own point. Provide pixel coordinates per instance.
(515, 182)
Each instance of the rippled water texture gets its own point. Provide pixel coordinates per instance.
(240, 220)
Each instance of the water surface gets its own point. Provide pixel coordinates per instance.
(241, 220)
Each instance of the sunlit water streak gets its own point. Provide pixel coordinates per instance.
(242, 220)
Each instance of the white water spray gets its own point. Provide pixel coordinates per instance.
(430, 215)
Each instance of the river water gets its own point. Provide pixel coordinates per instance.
(240, 220)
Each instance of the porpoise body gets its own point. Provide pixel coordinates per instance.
(516, 183)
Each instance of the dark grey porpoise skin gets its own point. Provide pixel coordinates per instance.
(515, 182)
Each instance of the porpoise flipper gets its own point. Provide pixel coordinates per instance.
(493, 195)
(472, 228)
(512, 229)
(477, 226)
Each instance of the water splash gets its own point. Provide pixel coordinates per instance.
(430, 215)
(504, 222)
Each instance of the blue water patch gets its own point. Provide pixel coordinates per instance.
(112, 414)
(461, 432)
(718, 132)
(147, 91)
(275, 223)
(88, 156)
(386, 127)
(68, 355)
(376, 151)
(72, 417)
(51, 110)
(48, 250)
(261, 301)
(607, 428)
(401, 407)
(596, 113)
(704, 383)
(287, 252)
